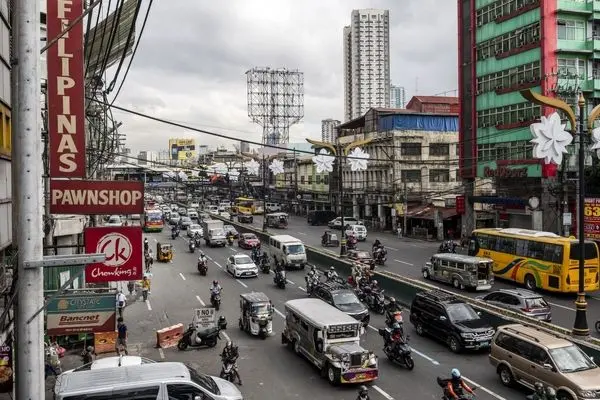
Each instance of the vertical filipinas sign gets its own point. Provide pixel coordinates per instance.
(66, 113)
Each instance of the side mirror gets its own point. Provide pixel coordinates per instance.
(479, 313)
(442, 318)
(549, 367)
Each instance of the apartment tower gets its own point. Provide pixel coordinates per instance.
(328, 130)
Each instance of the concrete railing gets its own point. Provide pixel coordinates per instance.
(404, 290)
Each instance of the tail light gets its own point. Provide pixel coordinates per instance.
(526, 309)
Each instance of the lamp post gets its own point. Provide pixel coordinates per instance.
(324, 160)
(550, 143)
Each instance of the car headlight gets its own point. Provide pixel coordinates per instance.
(467, 335)
(372, 358)
(589, 394)
(345, 358)
(491, 332)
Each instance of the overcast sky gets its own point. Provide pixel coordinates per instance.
(191, 63)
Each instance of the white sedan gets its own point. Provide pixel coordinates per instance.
(225, 214)
(241, 266)
(193, 229)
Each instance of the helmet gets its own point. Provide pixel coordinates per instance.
(201, 253)
(215, 282)
(392, 300)
(550, 392)
(374, 282)
(313, 268)
(311, 273)
(396, 326)
(90, 348)
(363, 390)
(229, 344)
(539, 387)
(455, 373)
(332, 268)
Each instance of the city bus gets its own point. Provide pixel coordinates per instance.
(152, 220)
(537, 259)
(249, 205)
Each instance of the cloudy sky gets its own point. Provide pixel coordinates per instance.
(191, 63)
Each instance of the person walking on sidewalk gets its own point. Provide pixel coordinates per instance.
(121, 337)
(145, 288)
(88, 355)
(121, 302)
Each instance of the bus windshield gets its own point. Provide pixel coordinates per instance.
(154, 217)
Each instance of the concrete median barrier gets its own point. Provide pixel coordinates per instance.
(404, 290)
(168, 337)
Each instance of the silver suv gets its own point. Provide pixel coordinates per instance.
(522, 301)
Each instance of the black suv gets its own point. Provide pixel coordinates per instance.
(344, 299)
(448, 319)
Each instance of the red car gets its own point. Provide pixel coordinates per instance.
(248, 240)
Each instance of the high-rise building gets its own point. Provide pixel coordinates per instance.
(328, 130)
(147, 157)
(5, 140)
(366, 62)
(244, 147)
(397, 96)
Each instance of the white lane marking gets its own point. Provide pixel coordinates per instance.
(218, 265)
(148, 305)
(155, 240)
(181, 275)
(479, 387)
(382, 392)
(561, 306)
(301, 288)
(241, 283)
(161, 353)
(425, 356)
(301, 233)
(404, 262)
(279, 313)
(200, 300)
(225, 335)
(232, 249)
(209, 257)
(594, 297)
(391, 248)
(290, 282)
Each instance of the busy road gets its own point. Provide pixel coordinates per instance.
(406, 257)
(269, 369)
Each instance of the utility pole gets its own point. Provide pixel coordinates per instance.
(28, 172)
(405, 227)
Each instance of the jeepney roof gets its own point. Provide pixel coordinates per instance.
(461, 258)
(255, 297)
(318, 312)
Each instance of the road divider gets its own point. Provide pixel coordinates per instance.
(169, 336)
(404, 290)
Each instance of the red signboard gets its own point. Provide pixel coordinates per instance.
(96, 197)
(66, 113)
(460, 205)
(591, 218)
(123, 248)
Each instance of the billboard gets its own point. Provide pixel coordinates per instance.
(81, 313)
(66, 114)
(96, 197)
(123, 248)
(591, 218)
(182, 149)
(6, 368)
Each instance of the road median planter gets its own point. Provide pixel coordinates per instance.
(404, 290)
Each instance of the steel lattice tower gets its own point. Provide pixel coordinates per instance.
(275, 101)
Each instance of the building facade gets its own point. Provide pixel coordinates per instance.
(147, 157)
(244, 147)
(397, 96)
(366, 44)
(5, 134)
(550, 46)
(434, 104)
(328, 130)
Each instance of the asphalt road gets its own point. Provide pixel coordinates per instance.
(406, 257)
(269, 369)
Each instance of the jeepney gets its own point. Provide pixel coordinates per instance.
(277, 220)
(329, 339)
(462, 272)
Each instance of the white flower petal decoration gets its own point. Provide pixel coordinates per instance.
(323, 161)
(169, 174)
(252, 167)
(183, 176)
(550, 139)
(358, 159)
(596, 141)
(234, 175)
(276, 167)
(221, 169)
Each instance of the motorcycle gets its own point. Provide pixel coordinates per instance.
(447, 247)
(400, 353)
(194, 338)
(443, 383)
(311, 282)
(256, 256)
(174, 234)
(228, 370)
(192, 247)
(215, 301)
(197, 241)
(280, 279)
(376, 301)
(380, 256)
(394, 318)
(202, 268)
(351, 244)
(230, 240)
(265, 265)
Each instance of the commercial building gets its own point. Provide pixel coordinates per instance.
(434, 104)
(397, 96)
(328, 130)
(244, 147)
(366, 62)
(550, 46)
(147, 157)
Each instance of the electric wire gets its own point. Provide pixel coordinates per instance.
(113, 34)
(87, 64)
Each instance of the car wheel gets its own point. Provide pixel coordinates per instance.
(296, 347)
(457, 285)
(454, 344)
(563, 396)
(529, 282)
(425, 274)
(332, 375)
(506, 377)
(419, 329)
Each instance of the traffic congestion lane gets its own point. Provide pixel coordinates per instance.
(406, 256)
(432, 359)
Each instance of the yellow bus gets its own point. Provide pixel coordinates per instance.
(249, 205)
(537, 259)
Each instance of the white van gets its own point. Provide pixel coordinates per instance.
(359, 232)
(288, 250)
(212, 209)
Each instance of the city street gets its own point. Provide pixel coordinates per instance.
(268, 369)
(406, 256)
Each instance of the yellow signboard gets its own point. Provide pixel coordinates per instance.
(186, 154)
(182, 142)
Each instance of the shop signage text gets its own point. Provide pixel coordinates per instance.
(505, 172)
(96, 197)
(74, 314)
(591, 218)
(123, 249)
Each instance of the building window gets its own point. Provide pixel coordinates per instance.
(530, 72)
(318, 179)
(410, 149)
(569, 29)
(411, 175)
(5, 131)
(518, 150)
(302, 179)
(571, 68)
(513, 40)
(511, 114)
(500, 8)
(439, 149)
(439, 175)
(310, 179)
(325, 179)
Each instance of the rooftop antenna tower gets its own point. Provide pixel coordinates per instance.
(275, 101)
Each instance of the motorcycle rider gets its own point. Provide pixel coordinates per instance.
(550, 393)
(363, 393)
(146, 246)
(397, 337)
(264, 259)
(255, 253)
(376, 244)
(374, 286)
(539, 393)
(230, 237)
(331, 274)
(215, 290)
(230, 354)
(202, 259)
(197, 237)
(390, 308)
(456, 385)
(278, 270)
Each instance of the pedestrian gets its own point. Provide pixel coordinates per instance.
(88, 355)
(145, 287)
(121, 302)
(121, 337)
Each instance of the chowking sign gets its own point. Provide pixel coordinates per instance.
(66, 113)
(96, 197)
(123, 249)
(72, 314)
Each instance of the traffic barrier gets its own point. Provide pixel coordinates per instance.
(404, 290)
(105, 342)
(168, 337)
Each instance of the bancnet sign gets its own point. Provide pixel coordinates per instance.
(123, 249)
(66, 114)
(96, 197)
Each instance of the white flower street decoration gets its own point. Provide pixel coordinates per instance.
(323, 161)
(252, 167)
(276, 167)
(358, 159)
(596, 141)
(550, 139)
(169, 175)
(183, 176)
(221, 169)
(234, 175)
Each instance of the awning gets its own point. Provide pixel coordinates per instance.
(428, 212)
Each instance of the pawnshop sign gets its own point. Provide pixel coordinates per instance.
(96, 197)
(66, 113)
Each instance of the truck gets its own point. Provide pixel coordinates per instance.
(214, 234)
